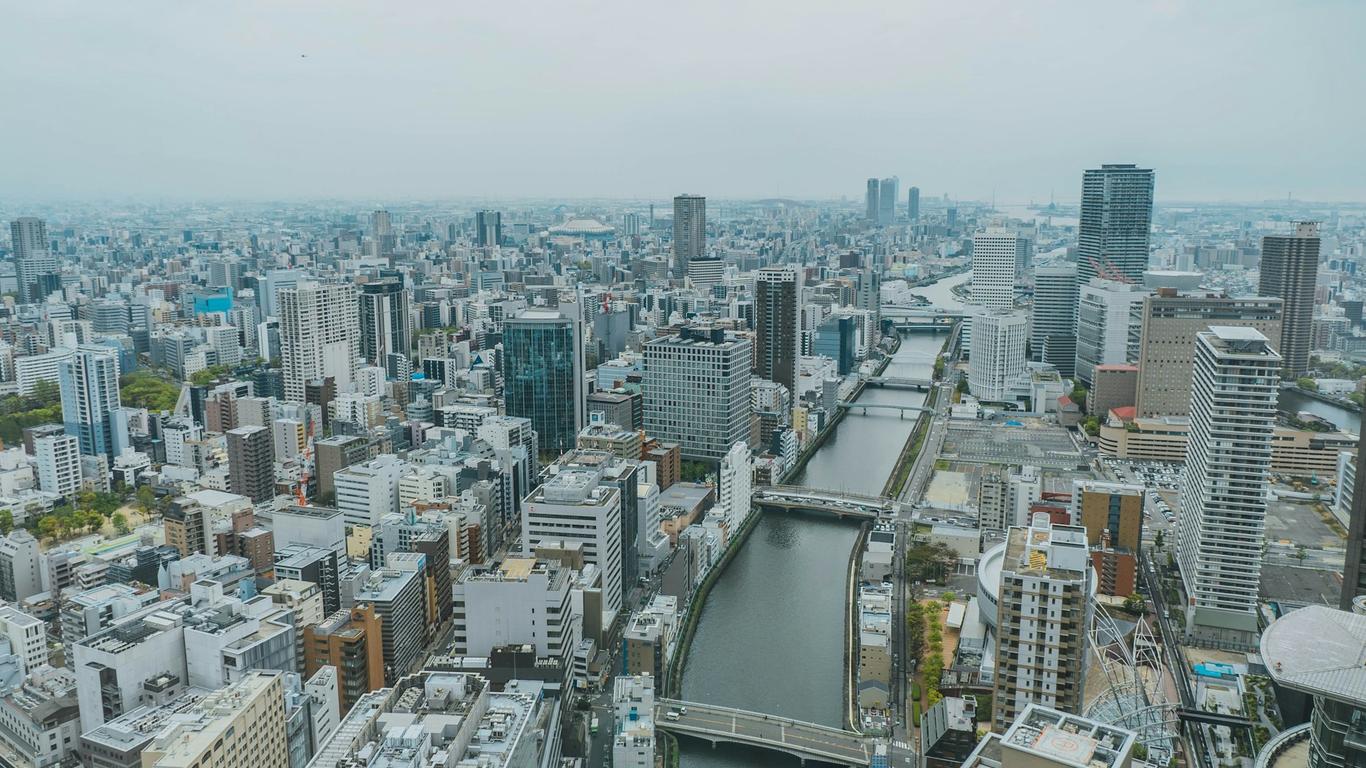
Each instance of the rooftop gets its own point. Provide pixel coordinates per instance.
(1337, 667)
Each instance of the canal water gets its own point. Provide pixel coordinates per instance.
(771, 634)
(1294, 402)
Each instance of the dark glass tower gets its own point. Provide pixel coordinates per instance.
(543, 375)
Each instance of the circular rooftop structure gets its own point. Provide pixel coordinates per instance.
(591, 228)
(989, 583)
(1318, 651)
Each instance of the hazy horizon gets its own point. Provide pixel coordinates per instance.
(254, 101)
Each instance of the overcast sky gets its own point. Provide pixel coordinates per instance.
(390, 101)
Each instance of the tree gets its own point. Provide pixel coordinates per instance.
(962, 386)
(146, 499)
(1134, 603)
(1307, 384)
(1091, 425)
(1159, 539)
(1079, 396)
(120, 521)
(6, 521)
(47, 526)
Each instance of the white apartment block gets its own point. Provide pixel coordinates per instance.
(1221, 525)
(521, 601)
(633, 701)
(736, 481)
(1109, 321)
(59, 464)
(319, 335)
(27, 637)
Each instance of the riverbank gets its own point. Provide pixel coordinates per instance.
(901, 471)
(851, 630)
(819, 439)
(1346, 405)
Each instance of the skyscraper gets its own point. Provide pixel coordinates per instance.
(382, 230)
(886, 201)
(1167, 342)
(1107, 324)
(996, 254)
(1116, 219)
(385, 326)
(91, 408)
(1220, 530)
(488, 229)
(543, 375)
(1042, 621)
(251, 463)
(697, 391)
(1354, 569)
(1055, 304)
(1290, 265)
(913, 204)
(870, 201)
(319, 335)
(777, 327)
(690, 231)
(33, 257)
(998, 353)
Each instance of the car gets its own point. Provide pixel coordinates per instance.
(671, 715)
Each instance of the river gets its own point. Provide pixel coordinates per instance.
(771, 634)
(1294, 402)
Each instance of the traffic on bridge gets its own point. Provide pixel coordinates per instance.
(806, 741)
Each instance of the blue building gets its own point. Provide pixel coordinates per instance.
(835, 339)
(543, 375)
(214, 302)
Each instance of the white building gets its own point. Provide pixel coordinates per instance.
(31, 369)
(633, 733)
(21, 566)
(697, 391)
(1023, 489)
(1053, 338)
(290, 437)
(27, 637)
(59, 464)
(1109, 320)
(997, 255)
(319, 335)
(998, 353)
(523, 601)
(175, 434)
(367, 492)
(578, 506)
(736, 481)
(1220, 529)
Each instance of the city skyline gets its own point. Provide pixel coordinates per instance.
(276, 91)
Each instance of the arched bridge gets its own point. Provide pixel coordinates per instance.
(805, 741)
(838, 502)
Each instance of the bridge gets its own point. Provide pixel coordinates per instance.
(896, 382)
(900, 310)
(838, 502)
(805, 741)
(863, 407)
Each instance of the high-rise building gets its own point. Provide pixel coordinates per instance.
(543, 375)
(1107, 324)
(777, 327)
(1044, 613)
(351, 641)
(319, 336)
(1053, 339)
(870, 201)
(1234, 386)
(316, 565)
(998, 353)
(334, 453)
(398, 595)
(913, 204)
(59, 464)
(369, 491)
(382, 230)
(33, 257)
(1314, 653)
(385, 326)
(886, 201)
(1112, 515)
(996, 256)
(91, 408)
(1166, 344)
(251, 463)
(579, 506)
(1354, 569)
(690, 230)
(1115, 224)
(697, 391)
(488, 229)
(1290, 267)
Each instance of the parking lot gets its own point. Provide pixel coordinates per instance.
(1034, 442)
